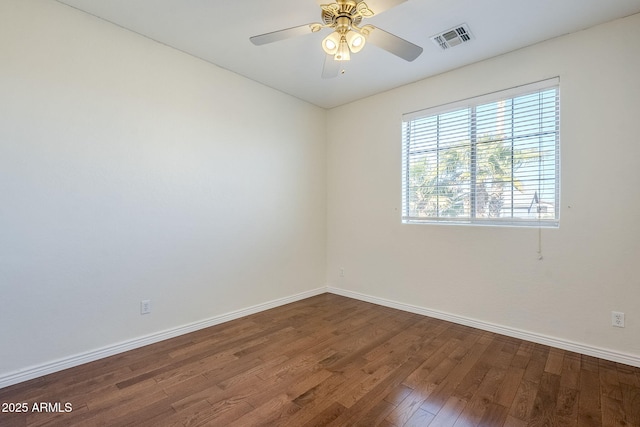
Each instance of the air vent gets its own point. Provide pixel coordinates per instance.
(453, 37)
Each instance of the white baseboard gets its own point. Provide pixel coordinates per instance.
(90, 356)
(614, 356)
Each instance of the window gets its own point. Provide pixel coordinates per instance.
(490, 160)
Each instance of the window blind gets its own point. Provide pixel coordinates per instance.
(491, 160)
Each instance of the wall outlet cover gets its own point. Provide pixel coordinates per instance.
(617, 319)
(145, 306)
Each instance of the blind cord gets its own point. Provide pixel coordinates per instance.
(540, 257)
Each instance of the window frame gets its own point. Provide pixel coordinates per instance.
(471, 104)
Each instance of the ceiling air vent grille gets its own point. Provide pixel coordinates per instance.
(453, 37)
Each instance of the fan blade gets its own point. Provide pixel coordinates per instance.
(276, 36)
(377, 6)
(331, 67)
(394, 44)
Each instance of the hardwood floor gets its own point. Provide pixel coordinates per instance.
(335, 361)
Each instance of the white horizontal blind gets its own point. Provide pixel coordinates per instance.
(488, 160)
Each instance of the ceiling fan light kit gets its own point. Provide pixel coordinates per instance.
(342, 45)
(344, 18)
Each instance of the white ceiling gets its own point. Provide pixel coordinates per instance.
(218, 32)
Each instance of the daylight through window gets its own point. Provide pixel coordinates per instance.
(489, 160)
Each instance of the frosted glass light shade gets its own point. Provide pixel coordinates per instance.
(331, 43)
(356, 41)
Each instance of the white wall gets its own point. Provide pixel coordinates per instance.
(493, 275)
(132, 171)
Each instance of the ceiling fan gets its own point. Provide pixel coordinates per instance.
(344, 17)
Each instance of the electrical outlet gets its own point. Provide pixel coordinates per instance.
(617, 319)
(145, 306)
(341, 272)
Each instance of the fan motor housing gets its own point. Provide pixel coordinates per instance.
(332, 13)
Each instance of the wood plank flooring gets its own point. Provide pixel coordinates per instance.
(335, 361)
